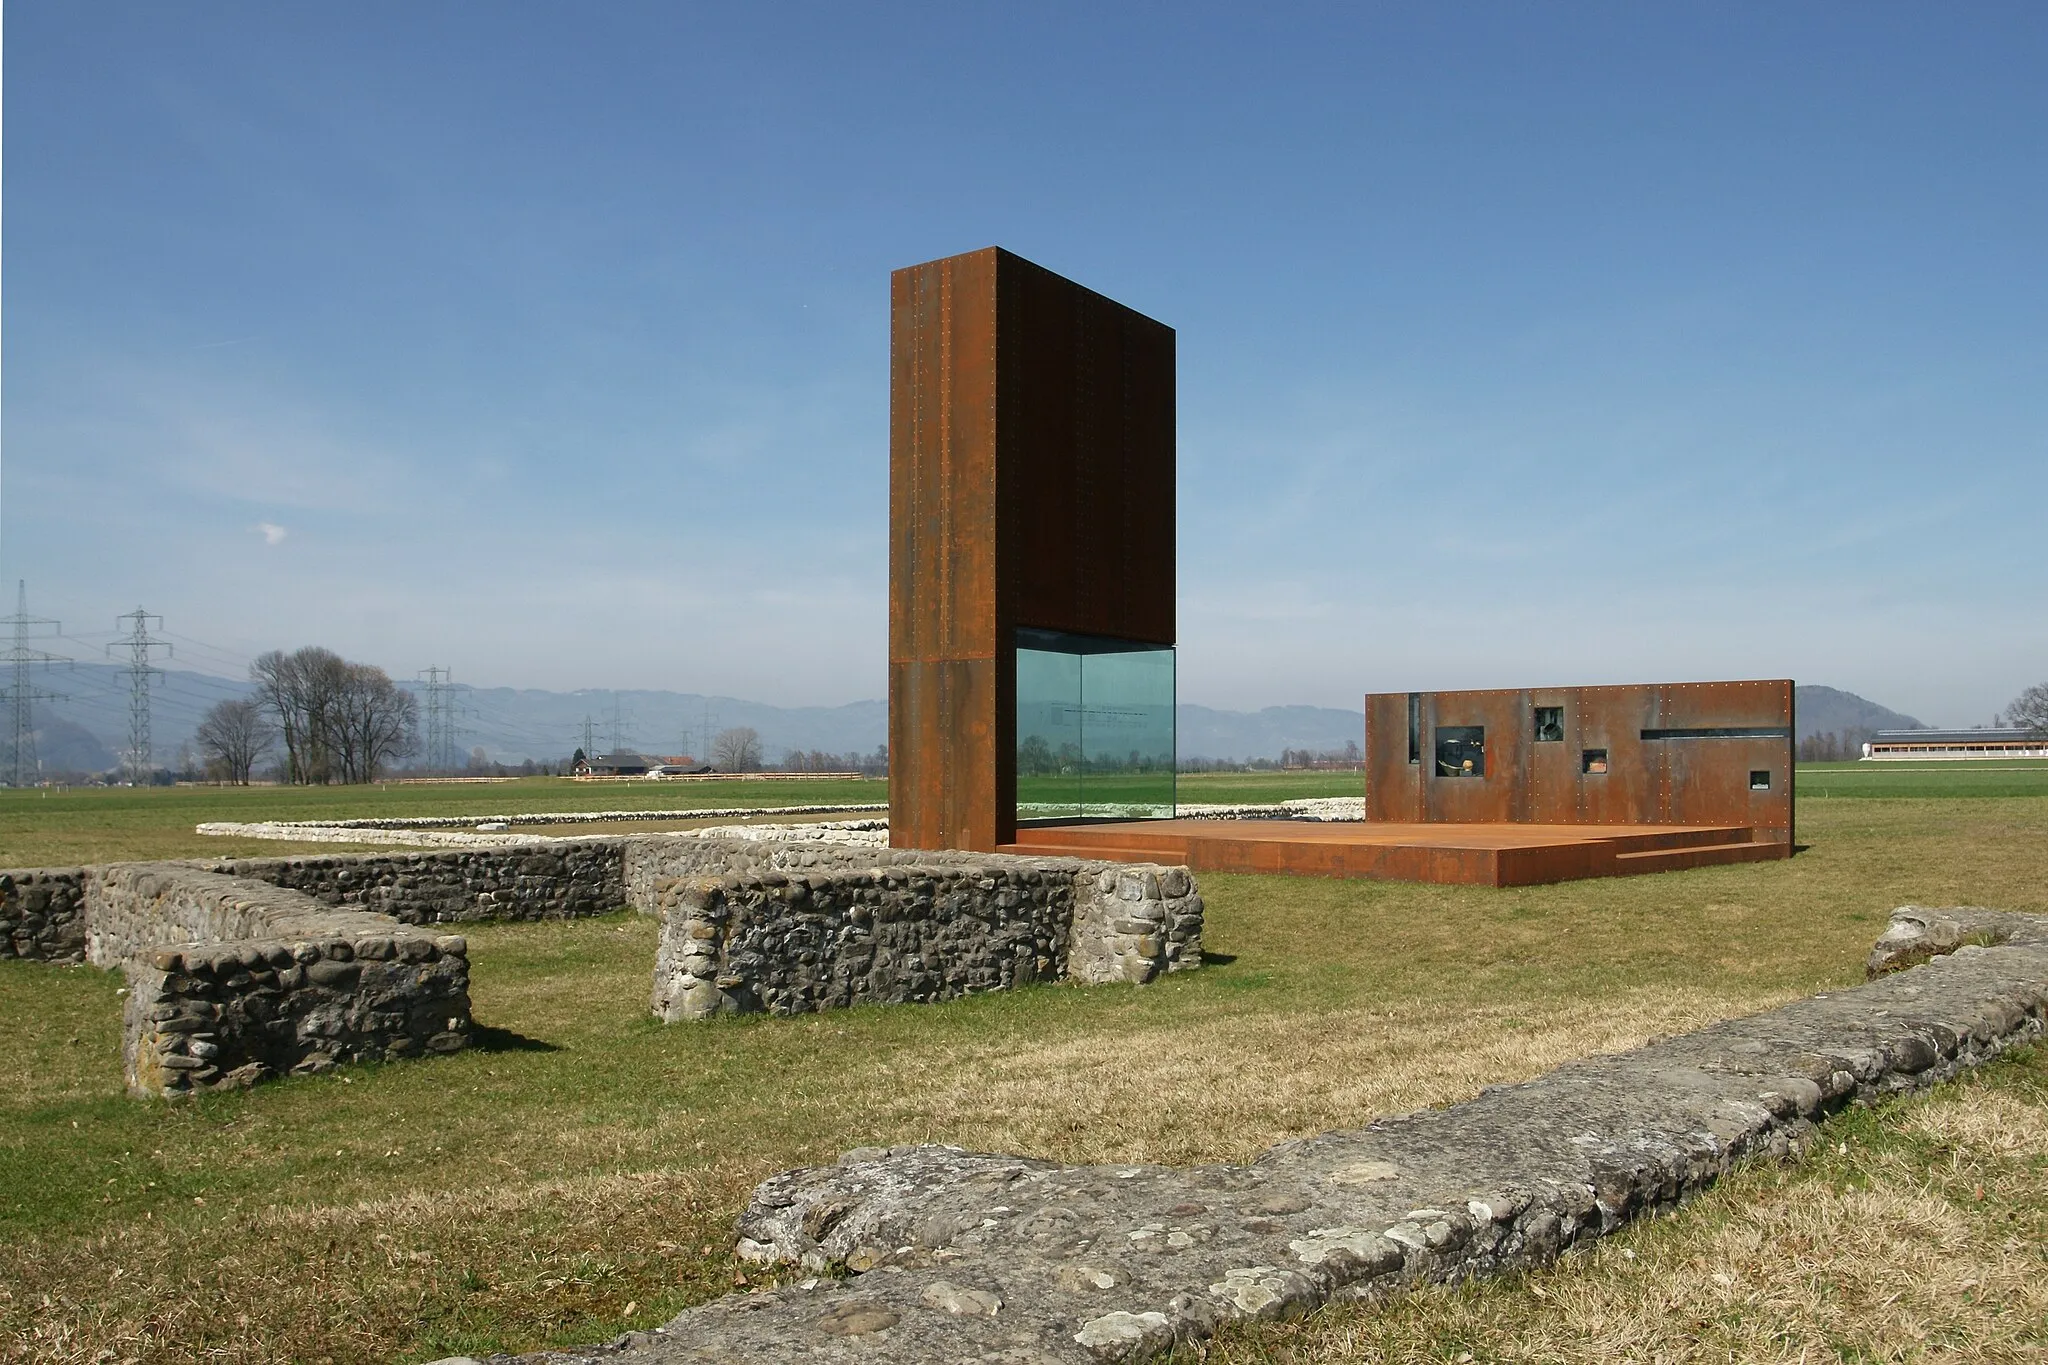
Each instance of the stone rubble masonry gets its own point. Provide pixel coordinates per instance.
(794, 928)
(42, 914)
(233, 981)
(556, 879)
(950, 1255)
(247, 968)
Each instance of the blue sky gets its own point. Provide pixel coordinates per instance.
(1518, 344)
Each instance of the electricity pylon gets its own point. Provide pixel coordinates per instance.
(22, 693)
(138, 642)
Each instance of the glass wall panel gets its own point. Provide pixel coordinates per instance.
(1095, 728)
(1048, 735)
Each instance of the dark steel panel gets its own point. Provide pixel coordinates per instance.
(1086, 469)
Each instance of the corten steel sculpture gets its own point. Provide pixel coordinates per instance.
(1031, 485)
(1031, 511)
(1705, 753)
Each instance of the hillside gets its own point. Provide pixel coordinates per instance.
(1827, 711)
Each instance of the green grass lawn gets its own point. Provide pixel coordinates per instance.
(58, 827)
(578, 1174)
(1898, 781)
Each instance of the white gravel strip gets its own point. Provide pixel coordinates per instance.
(865, 833)
(571, 817)
(1328, 808)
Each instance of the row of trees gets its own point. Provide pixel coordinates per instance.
(1835, 746)
(1350, 756)
(875, 764)
(339, 721)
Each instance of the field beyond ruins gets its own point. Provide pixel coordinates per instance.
(576, 1174)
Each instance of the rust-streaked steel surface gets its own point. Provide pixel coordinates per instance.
(1497, 853)
(1657, 773)
(1031, 483)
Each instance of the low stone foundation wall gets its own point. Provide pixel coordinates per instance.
(654, 863)
(246, 968)
(950, 1256)
(560, 879)
(909, 930)
(233, 981)
(42, 914)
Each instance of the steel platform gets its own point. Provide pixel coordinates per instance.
(1493, 854)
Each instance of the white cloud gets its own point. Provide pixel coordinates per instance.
(272, 533)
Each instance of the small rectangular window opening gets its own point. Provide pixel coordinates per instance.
(1549, 724)
(1415, 727)
(1760, 780)
(1593, 761)
(1461, 751)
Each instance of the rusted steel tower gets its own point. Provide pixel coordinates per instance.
(1031, 487)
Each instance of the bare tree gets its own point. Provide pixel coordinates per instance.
(233, 735)
(302, 690)
(374, 721)
(737, 750)
(2030, 710)
(341, 722)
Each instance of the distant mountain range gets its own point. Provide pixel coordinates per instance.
(514, 724)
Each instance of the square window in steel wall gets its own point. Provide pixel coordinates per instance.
(1461, 751)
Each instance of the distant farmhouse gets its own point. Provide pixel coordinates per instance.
(2004, 742)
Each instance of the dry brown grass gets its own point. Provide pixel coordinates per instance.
(516, 1197)
(1921, 1234)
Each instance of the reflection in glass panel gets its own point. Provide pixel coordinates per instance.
(1461, 751)
(1095, 728)
(1048, 734)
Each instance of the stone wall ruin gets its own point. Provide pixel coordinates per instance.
(244, 969)
(233, 981)
(42, 914)
(931, 1255)
(558, 879)
(913, 931)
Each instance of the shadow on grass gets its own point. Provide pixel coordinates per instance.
(1210, 959)
(484, 1038)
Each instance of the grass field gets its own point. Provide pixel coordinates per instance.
(578, 1175)
(62, 827)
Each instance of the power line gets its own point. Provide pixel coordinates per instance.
(139, 642)
(437, 741)
(620, 737)
(444, 712)
(22, 694)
